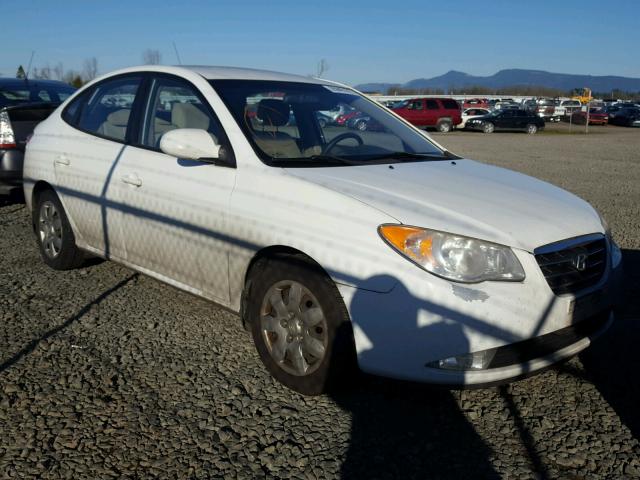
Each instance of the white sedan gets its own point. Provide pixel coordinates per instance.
(379, 249)
(470, 113)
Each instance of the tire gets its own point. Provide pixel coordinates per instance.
(532, 129)
(361, 125)
(444, 126)
(56, 241)
(285, 330)
(322, 122)
(488, 127)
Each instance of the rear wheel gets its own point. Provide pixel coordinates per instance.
(53, 233)
(299, 324)
(361, 125)
(532, 129)
(488, 127)
(444, 126)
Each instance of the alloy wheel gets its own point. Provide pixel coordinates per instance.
(50, 229)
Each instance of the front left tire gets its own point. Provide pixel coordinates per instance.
(299, 324)
(55, 238)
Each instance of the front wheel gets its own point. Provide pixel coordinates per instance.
(488, 127)
(299, 324)
(532, 129)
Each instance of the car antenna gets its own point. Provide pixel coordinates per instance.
(177, 54)
(26, 75)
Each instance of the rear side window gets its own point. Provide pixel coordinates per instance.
(415, 105)
(450, 104)
(70, 113)
(432, 105)
(106, 109)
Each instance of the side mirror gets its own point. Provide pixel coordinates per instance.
(191, 144)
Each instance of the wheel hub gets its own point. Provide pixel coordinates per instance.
(294, 328)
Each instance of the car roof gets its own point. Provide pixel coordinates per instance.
(224, 73)
(20, 82)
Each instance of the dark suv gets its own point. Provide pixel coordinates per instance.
(23, 104)
(442, 113)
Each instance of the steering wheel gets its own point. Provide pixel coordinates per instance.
(343, 136)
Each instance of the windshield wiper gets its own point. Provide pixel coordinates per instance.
(334, 159)
(416, 156)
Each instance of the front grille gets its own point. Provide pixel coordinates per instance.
(572, 269)
(548, 344)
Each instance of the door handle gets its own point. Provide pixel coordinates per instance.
(132, 180)
(62, 160)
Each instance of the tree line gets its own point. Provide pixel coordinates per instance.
(77, 78)
(515, 90)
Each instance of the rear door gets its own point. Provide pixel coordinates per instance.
(433, 112)
(87, 155)
(504, 121)
(176, 208)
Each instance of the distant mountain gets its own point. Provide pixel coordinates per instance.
(513, 77)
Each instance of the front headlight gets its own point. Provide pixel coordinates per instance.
(454, 257)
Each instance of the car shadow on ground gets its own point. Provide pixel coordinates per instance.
(408, 430)
(33, 344)
(402, 430)
(14, 197)
(612, 362)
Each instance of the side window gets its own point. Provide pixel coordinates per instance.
(108, 108)
(450, 104)
(70, 113)
(432, 105)
(415, 105)
(175, 104)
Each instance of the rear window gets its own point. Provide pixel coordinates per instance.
(450, 104)
(432, 105)
(15, 93)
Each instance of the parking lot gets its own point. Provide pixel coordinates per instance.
(105, 373)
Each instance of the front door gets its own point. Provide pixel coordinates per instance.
(175, 209)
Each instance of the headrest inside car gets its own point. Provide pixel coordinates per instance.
(273, 112)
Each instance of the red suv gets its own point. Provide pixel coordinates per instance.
(442, 113)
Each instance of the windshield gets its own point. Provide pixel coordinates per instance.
(16, 93)
(305, 124)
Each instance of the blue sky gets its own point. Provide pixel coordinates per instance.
(361, 41)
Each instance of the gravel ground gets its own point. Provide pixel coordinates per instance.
(105, 373)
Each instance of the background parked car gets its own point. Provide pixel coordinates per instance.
(596, 117)
(476, 103)
(546, 109)
(23, 104)
(529, 104)
(507, 120)
(627, 117)
(364, 122)
(470, 113)
(570, 106)
(342, 120)
(442, 113)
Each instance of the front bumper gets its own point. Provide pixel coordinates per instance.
(11, 162)
(424, 319)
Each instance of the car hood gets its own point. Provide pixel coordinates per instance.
(464, 197)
